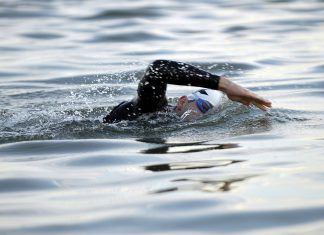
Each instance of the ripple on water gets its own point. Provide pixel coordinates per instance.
(142, 12)
(208, 221)
(105, 160)
(43, 35)
(21, 14)
(25, 184)
(140, 36)
(4, 74)
(237, 29)
(46, 149)
(318, 69)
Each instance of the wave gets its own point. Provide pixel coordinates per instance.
(65, 121)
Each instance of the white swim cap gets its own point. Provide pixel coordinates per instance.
(212, 96)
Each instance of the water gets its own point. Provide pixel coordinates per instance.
(65, 64)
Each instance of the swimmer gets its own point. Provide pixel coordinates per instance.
(151, 93)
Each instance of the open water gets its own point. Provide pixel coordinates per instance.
(65, 64)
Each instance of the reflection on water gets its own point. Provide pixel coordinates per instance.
(204, 185)
(190, 165)
(188, 148)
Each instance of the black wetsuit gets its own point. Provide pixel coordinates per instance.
(152, 88)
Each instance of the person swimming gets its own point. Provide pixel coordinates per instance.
(151, 93)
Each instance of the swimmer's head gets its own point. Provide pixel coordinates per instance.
(198, 103)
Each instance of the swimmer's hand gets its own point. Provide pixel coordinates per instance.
(237, 93)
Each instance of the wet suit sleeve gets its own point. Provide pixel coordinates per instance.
(152, 88)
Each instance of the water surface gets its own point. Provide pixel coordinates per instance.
(65, 64)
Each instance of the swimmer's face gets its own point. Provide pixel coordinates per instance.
(187, 109)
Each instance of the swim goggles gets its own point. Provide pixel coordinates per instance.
(203, 105)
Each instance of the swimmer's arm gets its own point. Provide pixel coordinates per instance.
(240, 94)
(178, 73)
(151, 92)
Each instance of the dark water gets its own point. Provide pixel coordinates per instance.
(65, 64)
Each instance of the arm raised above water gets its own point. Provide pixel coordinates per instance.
(152, 87)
